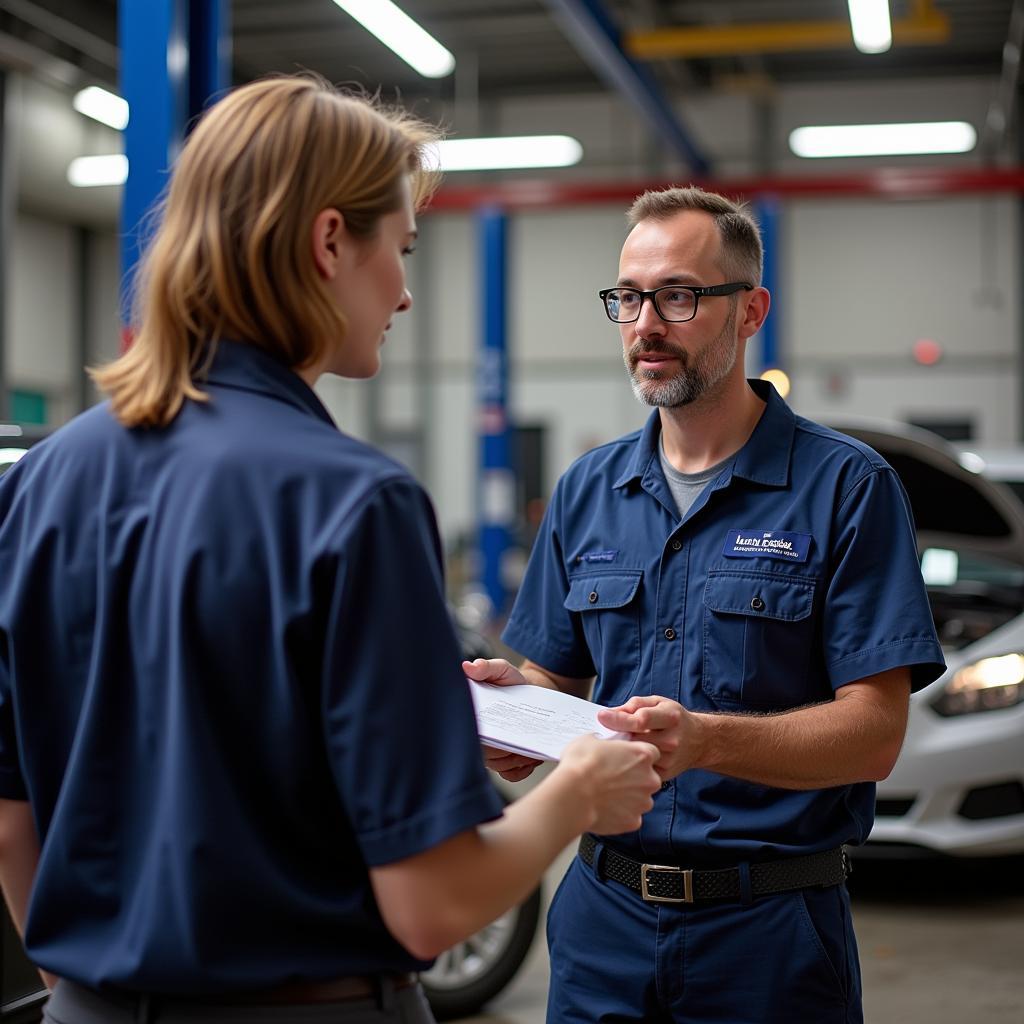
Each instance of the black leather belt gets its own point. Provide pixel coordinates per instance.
(144, 1006)
(665, 883)
(333, 990)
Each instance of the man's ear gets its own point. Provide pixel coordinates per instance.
(329, 239)
(754, 312)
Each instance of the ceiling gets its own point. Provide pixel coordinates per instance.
(519, 46)
(515, 47)
(527, 50)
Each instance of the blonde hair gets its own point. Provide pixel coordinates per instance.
(232, 256)
(742, 250)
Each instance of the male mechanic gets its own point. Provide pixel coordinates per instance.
(744, 586)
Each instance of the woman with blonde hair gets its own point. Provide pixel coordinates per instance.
(239, 773)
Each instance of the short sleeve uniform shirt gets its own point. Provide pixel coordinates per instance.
(228, 685)
(794, 573)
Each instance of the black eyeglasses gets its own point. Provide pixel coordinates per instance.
(674, 303)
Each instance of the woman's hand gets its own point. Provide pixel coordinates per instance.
(616, 777)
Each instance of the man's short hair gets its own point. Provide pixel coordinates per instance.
(742, 251)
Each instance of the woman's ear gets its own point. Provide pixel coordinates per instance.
(329, 239)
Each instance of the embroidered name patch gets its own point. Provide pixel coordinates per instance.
(599, 556)
(789, 547)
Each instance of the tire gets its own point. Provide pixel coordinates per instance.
(473, 972)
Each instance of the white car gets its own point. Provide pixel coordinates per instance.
(14, 442)
(958, 786)
(1005, 465)
(9, 456)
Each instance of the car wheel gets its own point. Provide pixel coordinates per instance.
(474, 971)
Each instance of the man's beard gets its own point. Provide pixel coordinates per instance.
(708, 368)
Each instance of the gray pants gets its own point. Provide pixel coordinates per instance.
(71, 1004)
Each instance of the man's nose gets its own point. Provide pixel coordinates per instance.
(406, 301)
(649, 322)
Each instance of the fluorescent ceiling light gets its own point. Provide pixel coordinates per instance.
(88, 171)
(103, 106)
(883, 139)
(507, 153)
(871, 25)
(397, 31)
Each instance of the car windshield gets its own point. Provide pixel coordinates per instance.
(971, 594)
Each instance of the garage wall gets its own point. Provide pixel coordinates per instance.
(861, 280)
(41, 307)
(868, 279)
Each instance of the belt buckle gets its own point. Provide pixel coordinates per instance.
(649, 897)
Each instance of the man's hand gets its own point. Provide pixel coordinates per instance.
(511, 767)
(617, 777)
(854, 738)
(660, 721)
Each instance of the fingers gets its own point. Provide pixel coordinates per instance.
(618, 721)
(641, 754)
(647, 717)
(503, 761)
(649, 749)
(626, 781)
(479, 669)
(518, 774)
(491, 670)
(652, 755)
(635, 703)
(661, 752)
(637, 750)
(641, 720)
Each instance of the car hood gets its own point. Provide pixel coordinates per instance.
(953, 506)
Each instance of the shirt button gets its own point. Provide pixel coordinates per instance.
(757, 604)
(593, 596)
(670, 633)
(677, 545)
(665, 785)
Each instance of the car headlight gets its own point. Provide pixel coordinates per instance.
(985, 685)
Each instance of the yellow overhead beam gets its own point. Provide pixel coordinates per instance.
(925, 27)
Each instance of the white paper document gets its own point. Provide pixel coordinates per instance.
(533, 720)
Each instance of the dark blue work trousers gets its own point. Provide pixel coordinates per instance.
(789, 958)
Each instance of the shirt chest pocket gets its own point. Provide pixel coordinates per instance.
(758, 639)
(608, 604)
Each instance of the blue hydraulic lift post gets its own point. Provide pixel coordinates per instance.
(209, 40)
(589, 26)
(496, 485)
(175, 55)
(768, 217)
(154, 81)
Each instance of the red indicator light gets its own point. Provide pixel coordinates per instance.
(927, 352)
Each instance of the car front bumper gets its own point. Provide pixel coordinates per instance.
(957, 788)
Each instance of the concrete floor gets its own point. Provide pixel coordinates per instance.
(940, 942)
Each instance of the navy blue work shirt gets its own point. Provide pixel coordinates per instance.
(228, 685)
(794, 573)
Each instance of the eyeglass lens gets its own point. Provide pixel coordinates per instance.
(623, 304)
